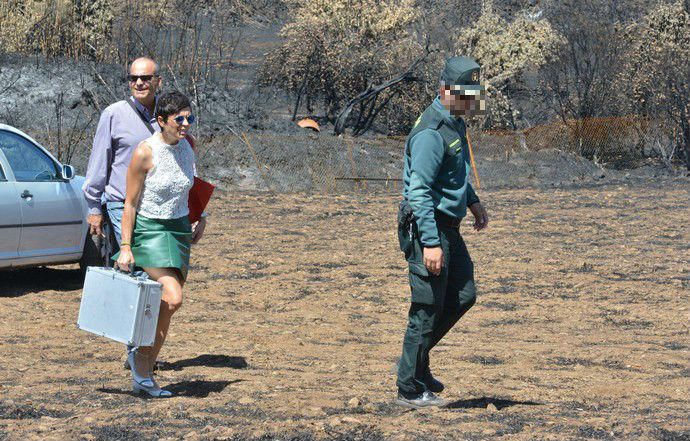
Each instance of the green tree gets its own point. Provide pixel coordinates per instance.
(581, 83)
(506, 51)
(333, 50)
(658, 68)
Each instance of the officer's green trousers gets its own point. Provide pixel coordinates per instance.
(438, 302)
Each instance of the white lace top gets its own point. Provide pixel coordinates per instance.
(167, 184)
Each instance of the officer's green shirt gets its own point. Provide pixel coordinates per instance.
(436, 175)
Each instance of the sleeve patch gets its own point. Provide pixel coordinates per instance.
(454, 143)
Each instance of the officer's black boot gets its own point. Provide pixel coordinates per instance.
(430, 382)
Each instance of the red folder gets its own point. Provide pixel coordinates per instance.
(199, 195)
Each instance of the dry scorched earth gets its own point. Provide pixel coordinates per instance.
(295, 311)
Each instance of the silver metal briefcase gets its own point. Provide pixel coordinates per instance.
(120, 306)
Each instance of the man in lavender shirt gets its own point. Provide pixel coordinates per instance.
(120, 130)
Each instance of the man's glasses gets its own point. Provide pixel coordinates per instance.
(180, 119)
(144, 78)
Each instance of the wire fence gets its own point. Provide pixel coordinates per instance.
(297, 160)
(553, 154)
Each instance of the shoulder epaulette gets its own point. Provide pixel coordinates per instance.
(432, 119)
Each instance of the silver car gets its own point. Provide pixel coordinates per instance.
(42, 207)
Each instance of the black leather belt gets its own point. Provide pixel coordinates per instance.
(443, 220)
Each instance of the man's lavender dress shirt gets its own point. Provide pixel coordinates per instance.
(119, 132)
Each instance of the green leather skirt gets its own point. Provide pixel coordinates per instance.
(161, 243)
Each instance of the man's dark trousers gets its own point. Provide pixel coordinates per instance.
(438, 302)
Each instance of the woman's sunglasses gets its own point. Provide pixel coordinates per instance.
(180, 119)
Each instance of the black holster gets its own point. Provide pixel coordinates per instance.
(406, 226)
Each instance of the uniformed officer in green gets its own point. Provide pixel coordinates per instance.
(437, 193)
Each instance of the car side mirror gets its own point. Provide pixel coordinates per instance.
(67, 172)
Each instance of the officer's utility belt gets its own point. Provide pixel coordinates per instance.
(443, 220)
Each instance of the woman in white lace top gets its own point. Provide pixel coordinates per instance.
(156, 232)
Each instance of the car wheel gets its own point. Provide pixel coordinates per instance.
(92, 253)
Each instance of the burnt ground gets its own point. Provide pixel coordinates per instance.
(295, 311)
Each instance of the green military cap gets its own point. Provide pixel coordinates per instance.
(462, 74)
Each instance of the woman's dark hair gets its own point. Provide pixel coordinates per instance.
(171, 103)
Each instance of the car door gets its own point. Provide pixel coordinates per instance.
(10, 218)
(51, 214)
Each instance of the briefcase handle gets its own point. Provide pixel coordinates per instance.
(130, 273)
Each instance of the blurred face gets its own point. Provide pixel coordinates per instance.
(143, 80)
(461, 103)
(177, 126)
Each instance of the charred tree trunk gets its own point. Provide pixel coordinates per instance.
(686, 142)
(367, 100)
(303, 86)
(370, 93)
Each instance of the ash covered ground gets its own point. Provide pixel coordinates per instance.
(294, 316)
